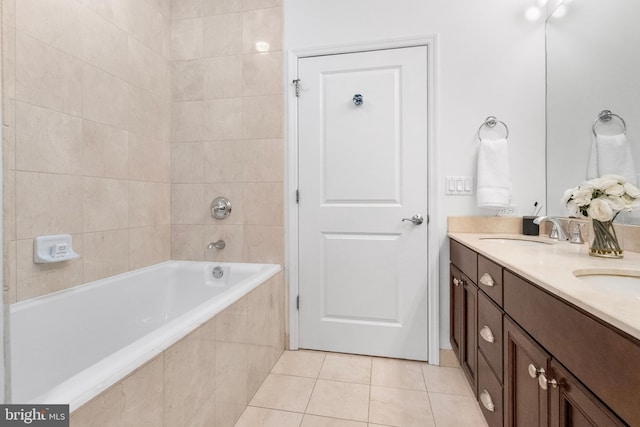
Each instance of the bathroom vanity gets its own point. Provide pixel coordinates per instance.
(538, 345)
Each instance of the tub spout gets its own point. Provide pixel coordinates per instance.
(218, 245)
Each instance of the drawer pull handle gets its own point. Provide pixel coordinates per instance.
(486, 400)
(544, 383)
(487, 334)
(535, 372)
(456, 281)
(487, 280)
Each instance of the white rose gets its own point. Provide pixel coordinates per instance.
(573, 209)
(615, 190)
(567, 195)
(621, 179)
(583, 195)
(603, 182)
(632, 190)
(600, 210)
(617, 203)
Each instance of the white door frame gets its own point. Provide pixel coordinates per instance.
(291, 181)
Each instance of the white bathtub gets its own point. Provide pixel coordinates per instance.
(69, 346)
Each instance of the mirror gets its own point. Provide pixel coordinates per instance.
(592, 65)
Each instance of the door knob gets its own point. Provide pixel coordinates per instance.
(417, 219)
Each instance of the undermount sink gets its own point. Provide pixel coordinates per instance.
(612, 280)
(515, 241)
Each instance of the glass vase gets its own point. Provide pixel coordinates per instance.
(604, 242)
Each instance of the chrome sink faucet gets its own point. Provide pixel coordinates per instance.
(558, 231)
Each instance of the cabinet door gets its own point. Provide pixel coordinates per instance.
(572, 405)
(525, 402)
(455, 305)
(469, 349)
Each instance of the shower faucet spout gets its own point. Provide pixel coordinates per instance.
(218, 245)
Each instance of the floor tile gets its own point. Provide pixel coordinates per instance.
(253, 417)
(346, 367)
(284, 392)
(448, 359)
(316, 421)
(398, 407)
(398, 374)
(456, 411)
(301, 363)
(446, 380)
(340, 400)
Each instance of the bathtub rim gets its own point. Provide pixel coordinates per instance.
(118, 365)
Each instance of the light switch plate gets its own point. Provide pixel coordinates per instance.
(459, 186)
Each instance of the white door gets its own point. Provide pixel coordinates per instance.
(362, 169)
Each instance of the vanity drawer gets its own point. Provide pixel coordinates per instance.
(465, 259)
(490, 279)
(603, 358)
(490, 333)
(489, 394)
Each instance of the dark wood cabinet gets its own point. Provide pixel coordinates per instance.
(532, 358)
(526, 404)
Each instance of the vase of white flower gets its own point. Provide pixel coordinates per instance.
(602, 199)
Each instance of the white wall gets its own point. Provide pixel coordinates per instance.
(490, 61)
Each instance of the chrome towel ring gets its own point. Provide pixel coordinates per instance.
(491, 122)
(605, 116)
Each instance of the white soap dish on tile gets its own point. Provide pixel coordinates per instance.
(48, 249)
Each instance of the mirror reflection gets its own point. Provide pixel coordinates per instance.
(592, 67)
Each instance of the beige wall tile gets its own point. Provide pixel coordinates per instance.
(262, 30)
(231, 382)
(187, 205)
(262, 73)
(231, 323)
(104, 45)
(105, 98)
(149, 203)
(8, 65)
(222, 77)
(40, 279)
(264, 204)
(262, 116)
(235, 194)
(138, 399)
(222, 35)
(149, 245)
(144, 113)
(260, 4)
(106, 253)
(105, 151)
(47, 204)
(233, 238)
(146, 67)
(224, 161)
(9, 135)
(223, 119)
(145, 24)
(146, 158)
(9, 13)
(186, 39)
(261, 360)
(9, 206)
(54, 22)
(187, 80)
(48, 141)
(187, 162)
(264, 308)
(9, 265)
(189, 377)
(188, 242)
(264, 244)
(47, 77)
(263, 160)
(116, 11)
(184, 9)
(205, 414)
(105, 204)
(186, 121)
(219, 7)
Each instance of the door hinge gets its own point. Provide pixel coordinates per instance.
(297, 196)
(298, 302)
(296, 83)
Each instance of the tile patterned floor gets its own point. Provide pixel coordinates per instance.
(317, 389)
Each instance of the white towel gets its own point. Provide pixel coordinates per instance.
(611, 155)
(494, 185)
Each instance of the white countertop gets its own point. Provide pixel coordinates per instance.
(551, 267)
